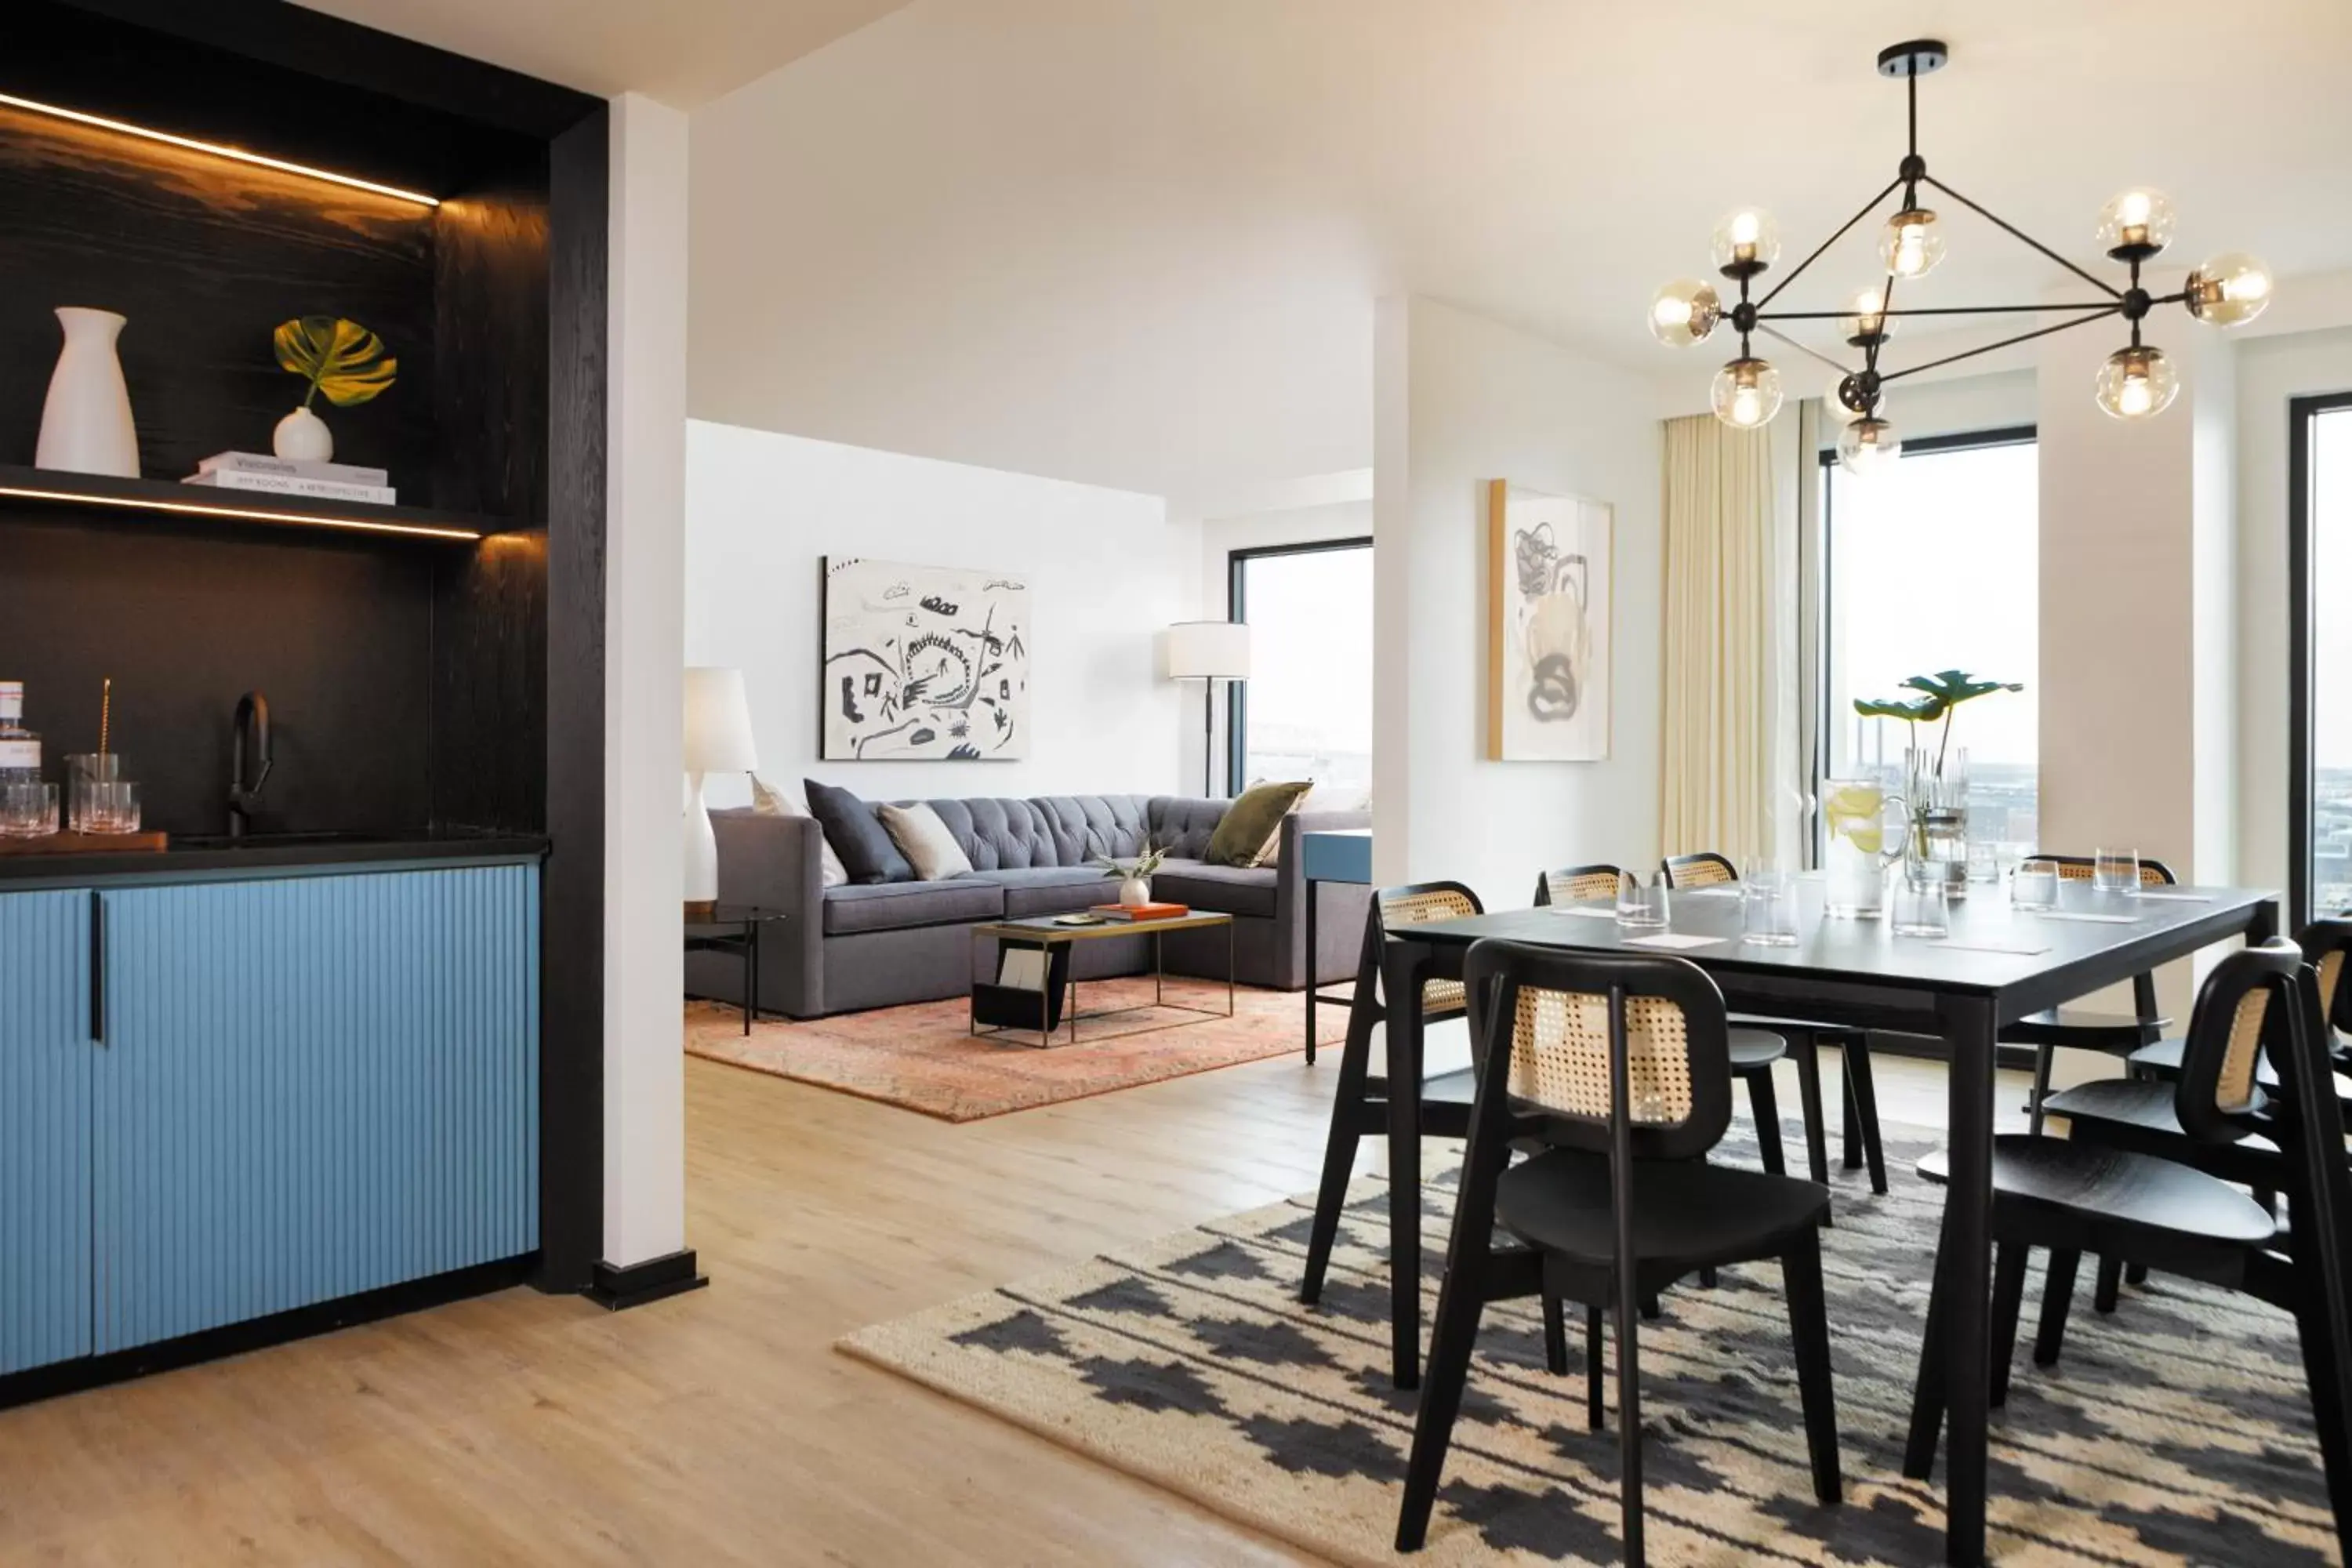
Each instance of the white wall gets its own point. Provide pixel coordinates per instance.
(1459, 400)
(645, 1081)
(1106, 571)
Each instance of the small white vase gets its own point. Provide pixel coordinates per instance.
(86, 424)
(303, 438)
(1134, 893)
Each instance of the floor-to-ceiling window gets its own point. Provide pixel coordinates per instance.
(1306, 712)
(1932, 563)
(2320, 556)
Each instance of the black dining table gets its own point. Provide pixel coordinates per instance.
(1997, 966)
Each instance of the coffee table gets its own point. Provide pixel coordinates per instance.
(1045, 934)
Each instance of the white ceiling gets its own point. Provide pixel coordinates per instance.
(682, 52)
(1137, 242)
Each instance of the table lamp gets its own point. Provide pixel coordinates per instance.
(1208, 652)
(718, 740)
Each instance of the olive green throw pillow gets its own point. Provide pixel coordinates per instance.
(1250, 821)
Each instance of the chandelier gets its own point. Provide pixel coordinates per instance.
(2138, 380)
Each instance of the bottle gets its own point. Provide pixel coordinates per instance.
(20, 749)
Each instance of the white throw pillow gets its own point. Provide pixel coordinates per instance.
(768, 801)
(925, 841)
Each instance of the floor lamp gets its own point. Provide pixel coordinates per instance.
(1208, 652)
(718, 740)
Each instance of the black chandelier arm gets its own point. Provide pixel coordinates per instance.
(1802, 349)
(1958, 310)
(2005, 342)
(1868, 207)
(2096, 281)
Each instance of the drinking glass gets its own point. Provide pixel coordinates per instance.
(1768, 916)
(2034, 886)
(1922, 909)
(2115, 871)
(1642, 901)
(111, 806)
(84, 769)
(1984, 861)
(27, 810)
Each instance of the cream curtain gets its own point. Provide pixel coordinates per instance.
(1727, 587)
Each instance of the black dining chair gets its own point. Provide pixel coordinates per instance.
(1862, 1147)
(2074, 1196)
(1619, 1066)
(2077, 1029)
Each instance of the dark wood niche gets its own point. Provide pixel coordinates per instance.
(409, 674)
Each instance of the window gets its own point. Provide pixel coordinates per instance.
(1306, 712)
(1932, 564)
(2319, 555)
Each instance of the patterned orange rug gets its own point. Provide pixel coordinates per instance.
(924, 1058)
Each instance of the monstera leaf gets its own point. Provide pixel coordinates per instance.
(338, 358)
(1915, 709)
(1938, 694)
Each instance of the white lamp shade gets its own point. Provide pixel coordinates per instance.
(1209, 650)
(718, 723)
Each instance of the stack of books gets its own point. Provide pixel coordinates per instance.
(286, 477)
(1141, 912)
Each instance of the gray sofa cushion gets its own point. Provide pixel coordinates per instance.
(1234, 889)
(1052, 889)
(998, 835)
(1182, 825)
(1086, 825)
(893, 905)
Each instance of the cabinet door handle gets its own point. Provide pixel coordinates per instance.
(98, 968)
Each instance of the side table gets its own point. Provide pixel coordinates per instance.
(1341, 854)
(734, 928)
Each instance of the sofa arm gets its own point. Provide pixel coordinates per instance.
(778, 863)
(1291, 958)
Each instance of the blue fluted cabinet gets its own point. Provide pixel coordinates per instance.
(291, 1090)
(45, 1080)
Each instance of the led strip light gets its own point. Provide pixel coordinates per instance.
(195, 508)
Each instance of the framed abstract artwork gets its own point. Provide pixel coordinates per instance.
(923, 663)
(1548, 631)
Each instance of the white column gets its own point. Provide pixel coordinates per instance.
(645, 1114)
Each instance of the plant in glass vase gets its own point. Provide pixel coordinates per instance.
(1935, 779)
(1134, 876)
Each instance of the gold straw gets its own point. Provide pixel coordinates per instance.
(105, 711)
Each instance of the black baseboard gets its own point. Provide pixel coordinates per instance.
(237, 1339)
(639, 1284)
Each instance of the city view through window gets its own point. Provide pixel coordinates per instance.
(1307, 711)
(2331, 687)
(1932, 566)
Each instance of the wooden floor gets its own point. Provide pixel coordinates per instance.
(716, 1427)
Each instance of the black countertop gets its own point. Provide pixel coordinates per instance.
(210, 859)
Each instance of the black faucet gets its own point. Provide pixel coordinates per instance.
(251, 736)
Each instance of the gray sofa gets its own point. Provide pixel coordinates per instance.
(846, 948)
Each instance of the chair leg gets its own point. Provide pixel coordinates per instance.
(2327, 1349)
(2135, 1273)
(1348, 1099)
(1460, 1304)
(2041, 1055)
(1808, 1058)
(1928, 1391)
(1629, 1435)
(1766, 1108)
(2111, 1274)
(1852, 1160)
(2008, 1303)
(1651, 1310)
(2057, 1297)
(1595, 1417)
(1809, 1328)
(1555, 1335)
(1864, 1092)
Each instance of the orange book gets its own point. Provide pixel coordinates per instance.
(1143, 911)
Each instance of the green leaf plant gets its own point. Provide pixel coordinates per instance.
(337, 357)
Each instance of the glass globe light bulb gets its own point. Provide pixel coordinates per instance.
(1746, 393)
(1684, 312)
(1911, 243)
(2137, 384)
(2136, 223)
(1868, 321)
(2229, 291)
(1868, 445)
(1747, 241)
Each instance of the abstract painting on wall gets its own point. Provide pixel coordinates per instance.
(924, 662)
(1548, 648)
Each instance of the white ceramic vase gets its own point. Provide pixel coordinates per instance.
(86, 424)
(303, 438)
(1134, 893)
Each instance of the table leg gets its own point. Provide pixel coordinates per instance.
(1229, 969)
(750, 977)
(1400, 982)
(1969, 1031)
(1312, 977)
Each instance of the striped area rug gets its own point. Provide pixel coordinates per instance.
(2175, 1432)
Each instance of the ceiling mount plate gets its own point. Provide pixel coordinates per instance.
(1918, 57)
